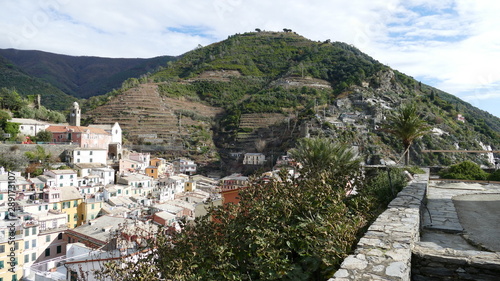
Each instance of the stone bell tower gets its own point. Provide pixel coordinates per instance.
(75, 115)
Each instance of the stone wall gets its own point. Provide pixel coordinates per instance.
(55, 150)
(385, 251)
(447, 264)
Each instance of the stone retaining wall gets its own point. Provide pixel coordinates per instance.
(55, 150)
(448, 264)
(385, 251)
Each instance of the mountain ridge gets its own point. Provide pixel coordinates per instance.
(319, 88)
(82, 76)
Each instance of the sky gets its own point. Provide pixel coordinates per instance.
(453, 45)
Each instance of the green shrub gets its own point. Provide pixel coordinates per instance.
(495, 176)
(466, 170)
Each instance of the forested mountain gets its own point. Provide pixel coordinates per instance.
(82, 76)
(12, 77)
(266, 89)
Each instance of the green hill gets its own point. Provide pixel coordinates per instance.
(12, 77)
(82, 76)
(271, 88)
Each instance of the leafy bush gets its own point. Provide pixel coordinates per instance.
(466, 170)
(495, 176)
(296, 229)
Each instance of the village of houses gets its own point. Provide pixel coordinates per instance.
(62, 222)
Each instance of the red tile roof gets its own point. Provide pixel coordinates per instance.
(78, 129)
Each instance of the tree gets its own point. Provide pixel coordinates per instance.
(406, 125)
(43, 136)
(466, 170)
(39, 155)
(283, 230)
(12, 129)
(318, 155)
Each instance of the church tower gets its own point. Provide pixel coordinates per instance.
(75, 114)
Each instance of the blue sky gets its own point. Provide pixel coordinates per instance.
(453, 45)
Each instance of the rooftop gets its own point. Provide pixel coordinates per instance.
(77, 129)
(70, 193)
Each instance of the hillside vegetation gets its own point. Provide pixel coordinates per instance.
(82, 76)
(12, 77)
(267, 89)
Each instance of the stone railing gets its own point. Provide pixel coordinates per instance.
(385, 251)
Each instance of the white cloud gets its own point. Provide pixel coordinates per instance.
(452, 43)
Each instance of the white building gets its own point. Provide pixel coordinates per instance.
(184, 166)
(115, 130)
(30, 127)
(87, 155)
(62, 177)
(254, 159)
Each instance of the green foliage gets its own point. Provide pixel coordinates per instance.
(43, 136)
(11, 100)
(38, 155)
(297, 229)
(414, 170)
(320, 155)
(407, 125)
(495, 176)
(466, 170)
(12, 160)
(12, 129)
(25, 85)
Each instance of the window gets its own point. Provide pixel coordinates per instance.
(59, 236)
(71, 176)
(78, 153)
(59, 249)
(33, 243)
(26, 258)
(1, 264)
(90, 153)
(47, 252)
(27, 232)
(75, 203)
(94, 206)
(90, 160)
(1, 196)
(2, 248)
(33, 256)
(61, 177)
(83, 218)
(33, 231)
(26, 244)
(47, 238)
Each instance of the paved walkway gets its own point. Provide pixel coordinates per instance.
(474, 226)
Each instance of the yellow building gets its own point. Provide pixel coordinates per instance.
(88, 210)
(152, 171)
(70, 200)
(11, 250)
(189, 186)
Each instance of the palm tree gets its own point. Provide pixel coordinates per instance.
(318, 155)
(407, 125)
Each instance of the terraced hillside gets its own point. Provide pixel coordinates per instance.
(144, 114)
(261, 126)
